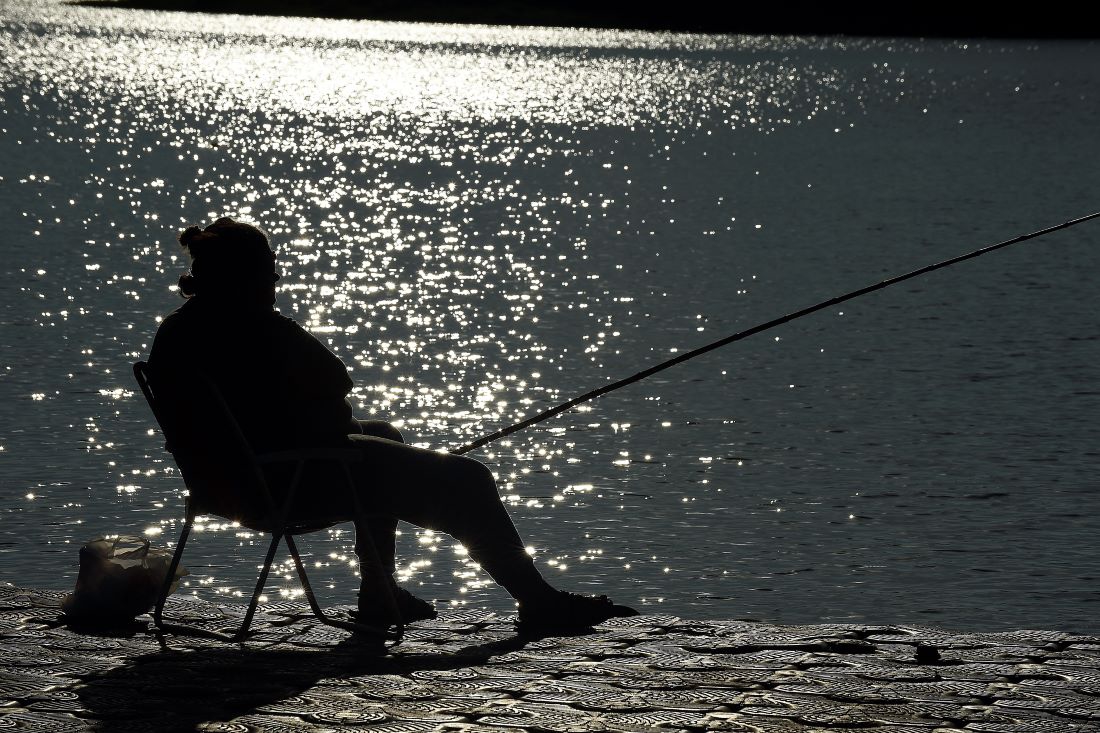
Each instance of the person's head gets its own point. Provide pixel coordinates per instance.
(231, 262)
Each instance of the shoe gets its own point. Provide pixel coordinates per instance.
(409, 606)
(569, 612)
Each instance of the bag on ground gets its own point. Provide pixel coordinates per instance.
(120, 577)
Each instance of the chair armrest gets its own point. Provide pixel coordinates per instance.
(344, 455)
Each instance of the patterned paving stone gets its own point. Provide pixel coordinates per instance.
(25, 720)
(268, 724)
(468, 671)
(348, 716)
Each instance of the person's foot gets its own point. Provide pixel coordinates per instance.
(413, 608)
(565, 611)
(409, 606)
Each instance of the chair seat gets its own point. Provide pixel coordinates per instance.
(267, 526)
(295, 527)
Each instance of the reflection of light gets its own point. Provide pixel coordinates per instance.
(416, 133)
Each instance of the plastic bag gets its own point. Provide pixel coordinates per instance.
(120, 577)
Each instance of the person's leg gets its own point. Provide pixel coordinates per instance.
(380, 528)
(450, 494)
(381, 531)
(457, 496)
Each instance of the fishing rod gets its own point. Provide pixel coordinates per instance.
(547, 414)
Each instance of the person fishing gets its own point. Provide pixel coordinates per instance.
(288, 391)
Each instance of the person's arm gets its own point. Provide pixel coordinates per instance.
(167, 348)
(320, 383)
(172, 368)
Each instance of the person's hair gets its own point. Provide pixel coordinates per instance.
(227, 257)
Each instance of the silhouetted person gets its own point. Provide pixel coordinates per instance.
(288, 391)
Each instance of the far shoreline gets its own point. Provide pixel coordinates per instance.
(940, 21)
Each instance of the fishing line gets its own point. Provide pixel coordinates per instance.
(547, 414)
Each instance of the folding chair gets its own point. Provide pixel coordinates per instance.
(224, 477)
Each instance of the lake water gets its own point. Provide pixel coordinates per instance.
(483, 222)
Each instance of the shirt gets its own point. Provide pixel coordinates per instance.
(284, 387)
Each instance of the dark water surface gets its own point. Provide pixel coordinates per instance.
(483, 222)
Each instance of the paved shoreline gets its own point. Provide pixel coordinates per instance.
(470, 672)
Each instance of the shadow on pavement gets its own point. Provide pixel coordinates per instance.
(177, 689)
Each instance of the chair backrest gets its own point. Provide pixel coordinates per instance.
(217, 463)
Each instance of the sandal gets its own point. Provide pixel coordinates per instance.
(410, 607)
(569, 611)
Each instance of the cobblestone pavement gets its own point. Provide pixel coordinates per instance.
(470, 672)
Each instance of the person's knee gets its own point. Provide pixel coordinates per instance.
(478, 476)
(381, 429)
(389, 432)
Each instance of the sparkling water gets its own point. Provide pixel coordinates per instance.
(483, 222)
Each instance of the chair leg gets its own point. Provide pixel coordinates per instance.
(260, 582)
(166, 588)
(310, 597)
(380, 632)
(158, 612)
